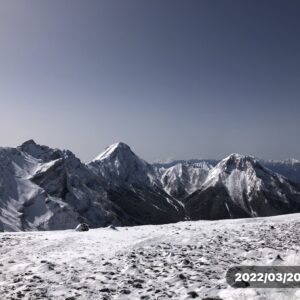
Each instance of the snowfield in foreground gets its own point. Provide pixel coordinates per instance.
(176, 261)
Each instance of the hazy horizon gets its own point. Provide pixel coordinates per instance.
(172, 79)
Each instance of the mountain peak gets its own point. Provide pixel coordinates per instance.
(120, 145)
(230, 165)
(113, 149)
(29, 142)
(119, 164)
(40, 151)
(237, 156)
(237, 160)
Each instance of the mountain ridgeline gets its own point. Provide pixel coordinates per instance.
(48, 189)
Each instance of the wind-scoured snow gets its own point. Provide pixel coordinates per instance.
(185, 260)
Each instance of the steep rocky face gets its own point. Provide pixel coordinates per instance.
(239, 186)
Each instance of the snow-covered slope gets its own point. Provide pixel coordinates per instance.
(176, 261)
(239, 186)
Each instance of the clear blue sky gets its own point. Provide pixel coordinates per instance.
(181, 79)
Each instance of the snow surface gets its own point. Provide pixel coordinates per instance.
(174, 261)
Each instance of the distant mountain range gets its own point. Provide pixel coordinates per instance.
(46, 189)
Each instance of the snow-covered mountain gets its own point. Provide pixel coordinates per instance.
(290, 168)
(44, 189)
(133, 185)
(239, 186)
(118, 165)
